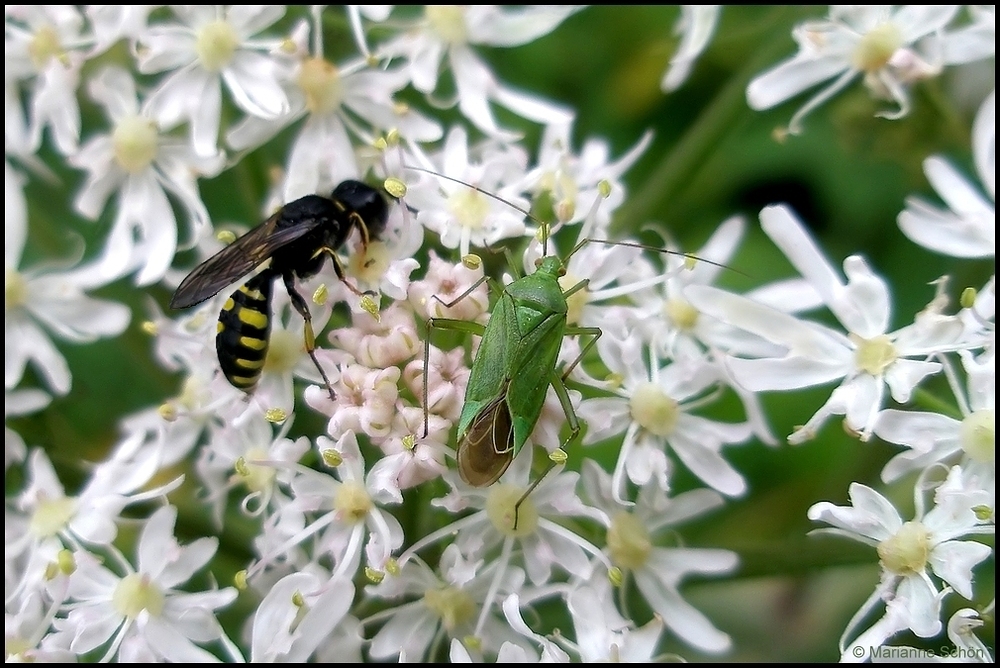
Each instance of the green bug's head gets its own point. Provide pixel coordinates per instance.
(551, 265)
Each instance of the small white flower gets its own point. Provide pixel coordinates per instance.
(348, 520)
(248, 453)
(876, 42)
(45, 48)
(142, 615)
(583, 186)
(602, 634)
(298, 614)
(448, 32)
(867, 358)
(960, 631)
(146, 171)
(653, 410)
(509, 528)
(39, 299)
(55, 520)
(26, 624)
(365, 404)
(464, 216)
(436, 295)
(550, 651)
(388, 341)
(212, 44)
(933, 437)
(410, 458)
(447, 375)
(658, 571)
(545, 545)
(447, 602)
(336, 102)
(909, 554)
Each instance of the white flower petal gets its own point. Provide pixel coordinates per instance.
(206, 115)
(984, 143)
(252, 82)
(15, 216)
(696, 27)
(532, 107)
(26, 341)
(955, 189)
(251, 19)
(954, 560)
(646, 461)
(945, 232)
(409, 630)
(919, 605)
(871, 515)
(475, 83)
(172, 646)
(790, 373)
(904, 375)
(916, 429)
(681, 617)
(790, 78)
(863, 307)
(916, 21)
(801, 338)
(704, 460)
(514, 27)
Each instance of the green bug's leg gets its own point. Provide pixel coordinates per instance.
(310, 337)
(559, 385)
(574, 430)
(581, 331)
(462, 296)
(511, 264)
(455, 326)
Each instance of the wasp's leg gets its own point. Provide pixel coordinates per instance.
(310, 337)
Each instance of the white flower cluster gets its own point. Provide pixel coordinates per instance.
(363, 542)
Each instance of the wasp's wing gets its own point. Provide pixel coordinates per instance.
(237, 260)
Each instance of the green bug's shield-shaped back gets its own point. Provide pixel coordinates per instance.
(511, 374)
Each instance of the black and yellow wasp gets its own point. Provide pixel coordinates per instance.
(297, 240)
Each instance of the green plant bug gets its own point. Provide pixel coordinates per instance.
(515, 364)
(512, 371)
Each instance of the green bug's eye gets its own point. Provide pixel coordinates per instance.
(562, 271)
(538, 262)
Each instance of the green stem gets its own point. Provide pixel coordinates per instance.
(702, 138)
(932, 402)
(801, 555)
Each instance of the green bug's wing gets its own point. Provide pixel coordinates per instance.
(490, 373)
(485, 452)
(485, 431)
(531, 373)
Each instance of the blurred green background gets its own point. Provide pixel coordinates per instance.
(847, 176)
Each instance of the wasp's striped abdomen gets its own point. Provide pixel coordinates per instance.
(244, 330)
